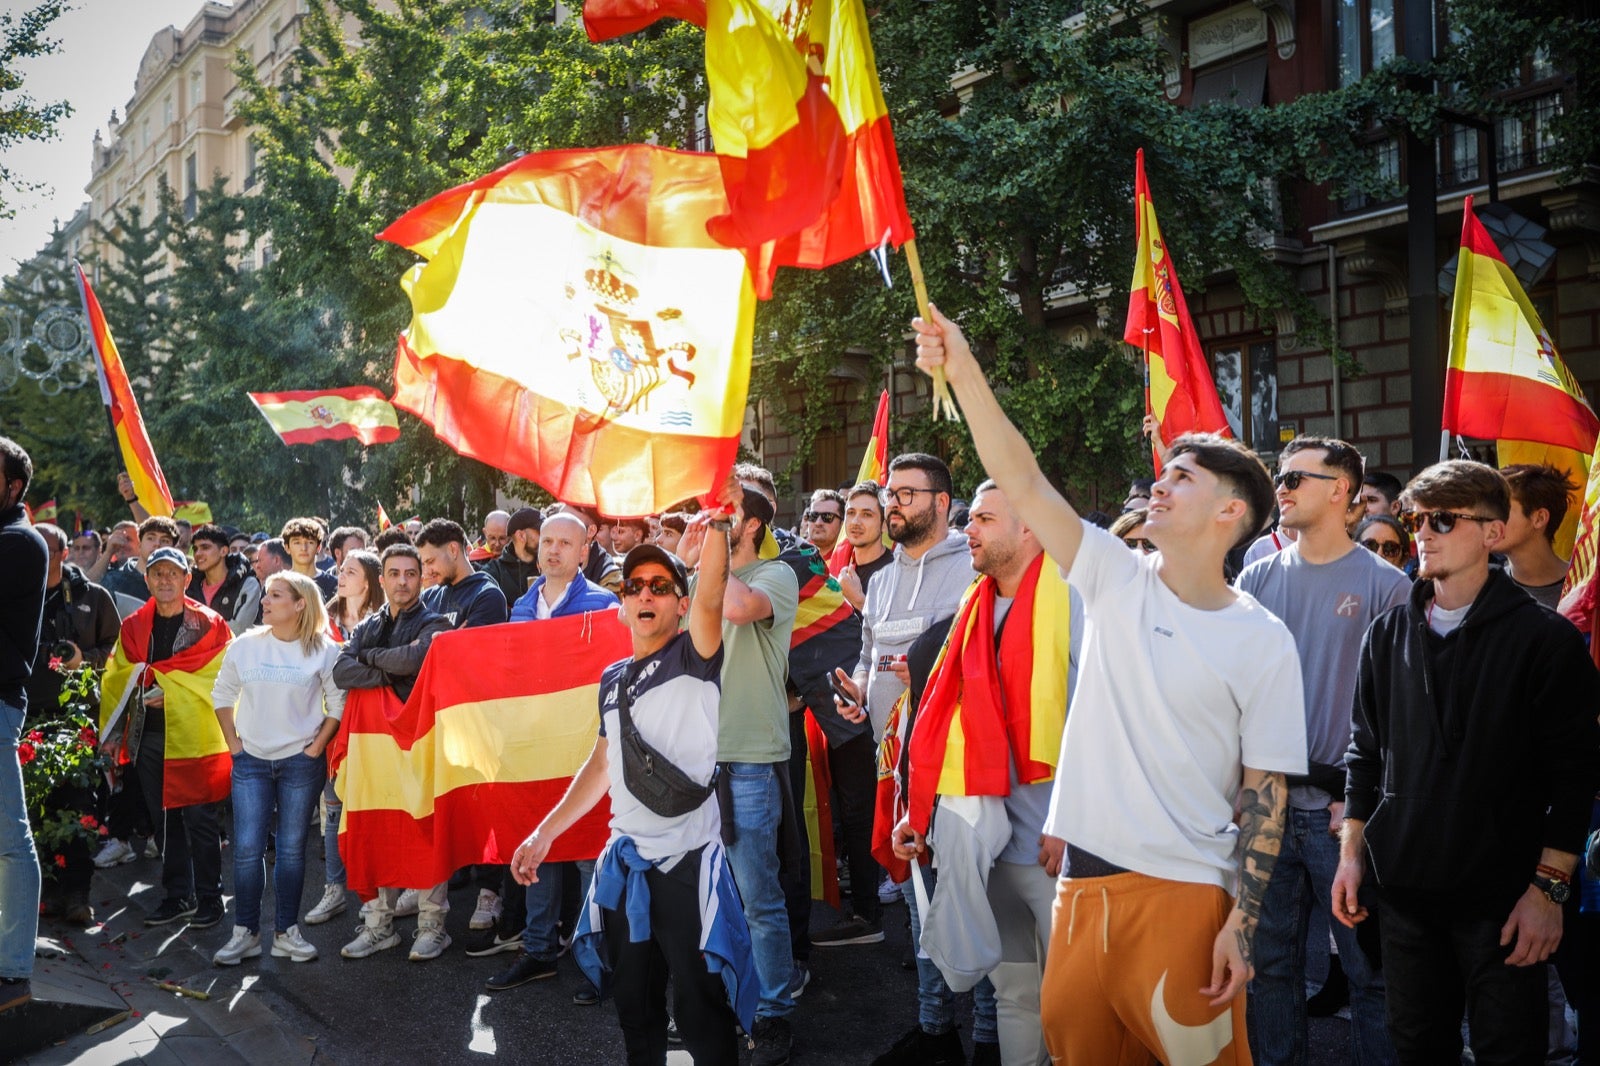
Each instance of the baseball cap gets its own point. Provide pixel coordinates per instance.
(525, 518)
(168, 555)
(651, 553)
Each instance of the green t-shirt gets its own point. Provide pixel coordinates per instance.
(754, 725)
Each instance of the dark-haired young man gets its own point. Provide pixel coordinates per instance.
(222, 579)
(1380, 493)
(1188, 708)
(1471, 776)
(302, 539)
(126, 582)
(863, 528)
(517, 565)
(1327, 591)
(457, 591)
(1539, 500)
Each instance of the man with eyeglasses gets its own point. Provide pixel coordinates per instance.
(1327, 591)
(1470, 778)
(825, 520)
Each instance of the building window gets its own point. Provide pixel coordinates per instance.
(1247, 384)
(144, 133)
(191, 186)
(196, 85)
(1364, 36)
(166, 111)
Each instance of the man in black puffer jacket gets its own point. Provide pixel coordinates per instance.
(1472, 768)
(517, 565)
(223, 580)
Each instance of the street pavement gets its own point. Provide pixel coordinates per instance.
(387, 1009)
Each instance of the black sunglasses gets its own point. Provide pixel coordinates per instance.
(822, 516)
(658, 586)
(1291, 479)
(1387, 548)
(1441, 521)
(1139, 544)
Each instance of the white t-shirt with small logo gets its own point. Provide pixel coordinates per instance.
(1172, 703)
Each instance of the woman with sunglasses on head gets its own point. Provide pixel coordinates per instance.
(1129, 528)
(1385, 537)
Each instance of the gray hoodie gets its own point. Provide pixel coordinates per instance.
(904, 599)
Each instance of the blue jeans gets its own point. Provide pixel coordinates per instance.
(757, 807)
(291, 786)
(540, 937)
(936, 1004)
(19, 864)
(332, 809)
(1276, 1009)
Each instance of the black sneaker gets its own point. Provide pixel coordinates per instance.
(985, 1054)
(207, 914)
(773, 1041)
(853, 930)
(492, 942)
(14, 992)
(586, 996)
(171, 910)
(919, 1048)
(525, 969)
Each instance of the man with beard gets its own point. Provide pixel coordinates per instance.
(824, 520)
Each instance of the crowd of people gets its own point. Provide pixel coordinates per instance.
(1129, 776)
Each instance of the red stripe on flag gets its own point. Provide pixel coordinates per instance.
(186, 782)
(342, 431)
(1511, 407)
(822, 786)
(353, 392)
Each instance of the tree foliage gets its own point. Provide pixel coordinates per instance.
(22, 118)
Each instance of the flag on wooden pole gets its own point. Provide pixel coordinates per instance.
(874, 467)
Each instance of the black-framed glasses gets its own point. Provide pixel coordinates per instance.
(823, 516)
(1441, 521)
(1139, 544)
(1291, 479)
(905, 495)
(1389, 549)
(658, 586)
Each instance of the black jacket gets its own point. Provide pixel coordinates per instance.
(603, 570)
(475, 600)
(82, 612)
(23, 562)
(384, 650)
(1471, 752)
(512, 574)
(239, 598)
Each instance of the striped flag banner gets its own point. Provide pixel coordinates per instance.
(485, 747)
(358, 413)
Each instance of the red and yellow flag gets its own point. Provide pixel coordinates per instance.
(467, 767)
(195, 512)
(360, 413)
(383, 519)
(1179, 388)
(197, 766)
(150, 486)
(605, 19)
(874, 465)
(818, 811)
(45, 512)
(576, 325)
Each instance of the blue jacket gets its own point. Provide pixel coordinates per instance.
(581, 595)
(475, 600)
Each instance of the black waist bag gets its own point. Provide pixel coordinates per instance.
(655, 780)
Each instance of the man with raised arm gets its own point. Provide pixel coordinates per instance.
(1188, 708)
(655, 865)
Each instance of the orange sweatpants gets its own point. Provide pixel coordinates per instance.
(1128, 957)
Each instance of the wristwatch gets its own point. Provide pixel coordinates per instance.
(1558, 892)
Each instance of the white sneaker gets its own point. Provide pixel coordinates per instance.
(370, 941)
(428, 942)
(333, 902)
(488, 911)
(289, 944)
(888, 891)
(408, 903)
(242, 945)
(150, 849)
(114, 853)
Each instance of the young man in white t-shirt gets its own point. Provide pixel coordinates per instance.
(1188, 709)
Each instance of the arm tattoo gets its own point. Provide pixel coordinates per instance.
(1262, 812)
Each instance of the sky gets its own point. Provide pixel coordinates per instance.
(102, 42)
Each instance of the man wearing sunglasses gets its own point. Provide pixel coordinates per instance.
(1170, 787)
(1327, 591)
(1470, 778)
(825, 520)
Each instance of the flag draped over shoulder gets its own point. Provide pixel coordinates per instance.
(127, 425)
(576, 325)
(1179, 388)
(983, 706)
(874, 465)
(486, 746)
(301, 417)
(196, 767)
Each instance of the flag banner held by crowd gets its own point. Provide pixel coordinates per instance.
(194, 512)
(485, 747)
(197, 767)
(116, 392)
(576, 325)
(1179, 388)
(874, 467)
(303, 417)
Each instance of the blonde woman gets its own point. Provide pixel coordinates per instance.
(278, 707)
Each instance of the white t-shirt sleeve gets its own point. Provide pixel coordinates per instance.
(332, 694)
(1272, 721)
(225, 690)
(1103, 563)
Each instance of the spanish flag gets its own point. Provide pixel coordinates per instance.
(197, 766)
(605, 19)
(194, 512)
(576, 325)
(150, 486)
(358, 413)
(45, 512)
(1179, 389)
(985, 706)
(486, 746)
(1506, 381)
(383, 519)
(874, 467)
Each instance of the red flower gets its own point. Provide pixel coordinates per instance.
(61, 861)
(103, 831)
(24, 753)
(55, 663)
(88, 736)
(36, 736)
(88, 822)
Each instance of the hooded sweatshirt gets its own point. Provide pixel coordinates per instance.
(475, 600)
(903, 600)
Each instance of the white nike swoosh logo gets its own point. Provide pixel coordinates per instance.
(1188, 1045)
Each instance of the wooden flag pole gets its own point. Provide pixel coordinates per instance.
(941, 390)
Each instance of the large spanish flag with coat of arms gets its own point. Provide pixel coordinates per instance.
(575, 324)
(495, 728)
(303, 416)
